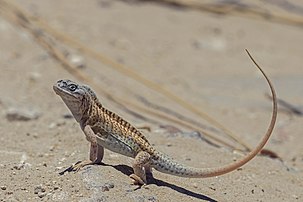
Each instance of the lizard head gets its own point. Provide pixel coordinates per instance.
(78, 98)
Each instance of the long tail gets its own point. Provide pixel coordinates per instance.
(167, 165)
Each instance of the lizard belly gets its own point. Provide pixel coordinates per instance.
(113, 144)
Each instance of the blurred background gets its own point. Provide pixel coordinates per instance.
(177, 66)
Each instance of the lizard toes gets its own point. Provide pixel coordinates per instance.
(73, 168)
(69, 169)
(137, 180)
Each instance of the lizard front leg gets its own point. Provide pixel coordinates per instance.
(96, 156)
(96, 152)
(141, 166)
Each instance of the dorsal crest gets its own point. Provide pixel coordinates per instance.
(93, 96)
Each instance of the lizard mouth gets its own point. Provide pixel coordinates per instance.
(58, 90)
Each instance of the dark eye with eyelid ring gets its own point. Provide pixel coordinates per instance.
(72, 87)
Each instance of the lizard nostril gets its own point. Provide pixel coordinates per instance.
(61, 83)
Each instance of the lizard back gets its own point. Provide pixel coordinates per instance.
(116, 134)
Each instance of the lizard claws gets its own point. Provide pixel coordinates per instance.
(77, 166)
(70, 168)
(137, 180)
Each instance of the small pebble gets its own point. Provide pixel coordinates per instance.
(59, 168)
(22, 165)
(104, 188)
(39, 188)
(19, 166)
(3, 187)
(151, 198)
(169, 144)
(192, 134)
(212, 188)
(107, 186)
(68, 116)
(215, 44)
(52, 148)
(52, 125)
(34, 76)
(76, 60)
(110, 185)
(36, 191)
(41, 194)
(35, 135)
(40, 155)
(16, 114)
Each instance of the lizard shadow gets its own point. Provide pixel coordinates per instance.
(127, 170)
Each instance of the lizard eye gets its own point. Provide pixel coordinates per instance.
(72, 87)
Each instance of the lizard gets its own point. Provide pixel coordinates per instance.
(105, 129)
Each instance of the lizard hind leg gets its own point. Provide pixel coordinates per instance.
(141, 166)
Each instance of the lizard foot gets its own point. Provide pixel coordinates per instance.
(77, 166)
(137, 180)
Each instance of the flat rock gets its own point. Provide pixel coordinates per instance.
(18, 114)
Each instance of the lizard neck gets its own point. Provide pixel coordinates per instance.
(81, 110)
(91, 116)
(74, 109)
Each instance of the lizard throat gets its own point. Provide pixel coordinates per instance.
(74, 107)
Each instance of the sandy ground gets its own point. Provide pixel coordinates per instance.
(198, 56)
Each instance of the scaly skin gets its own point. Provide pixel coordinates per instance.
(105, 129)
